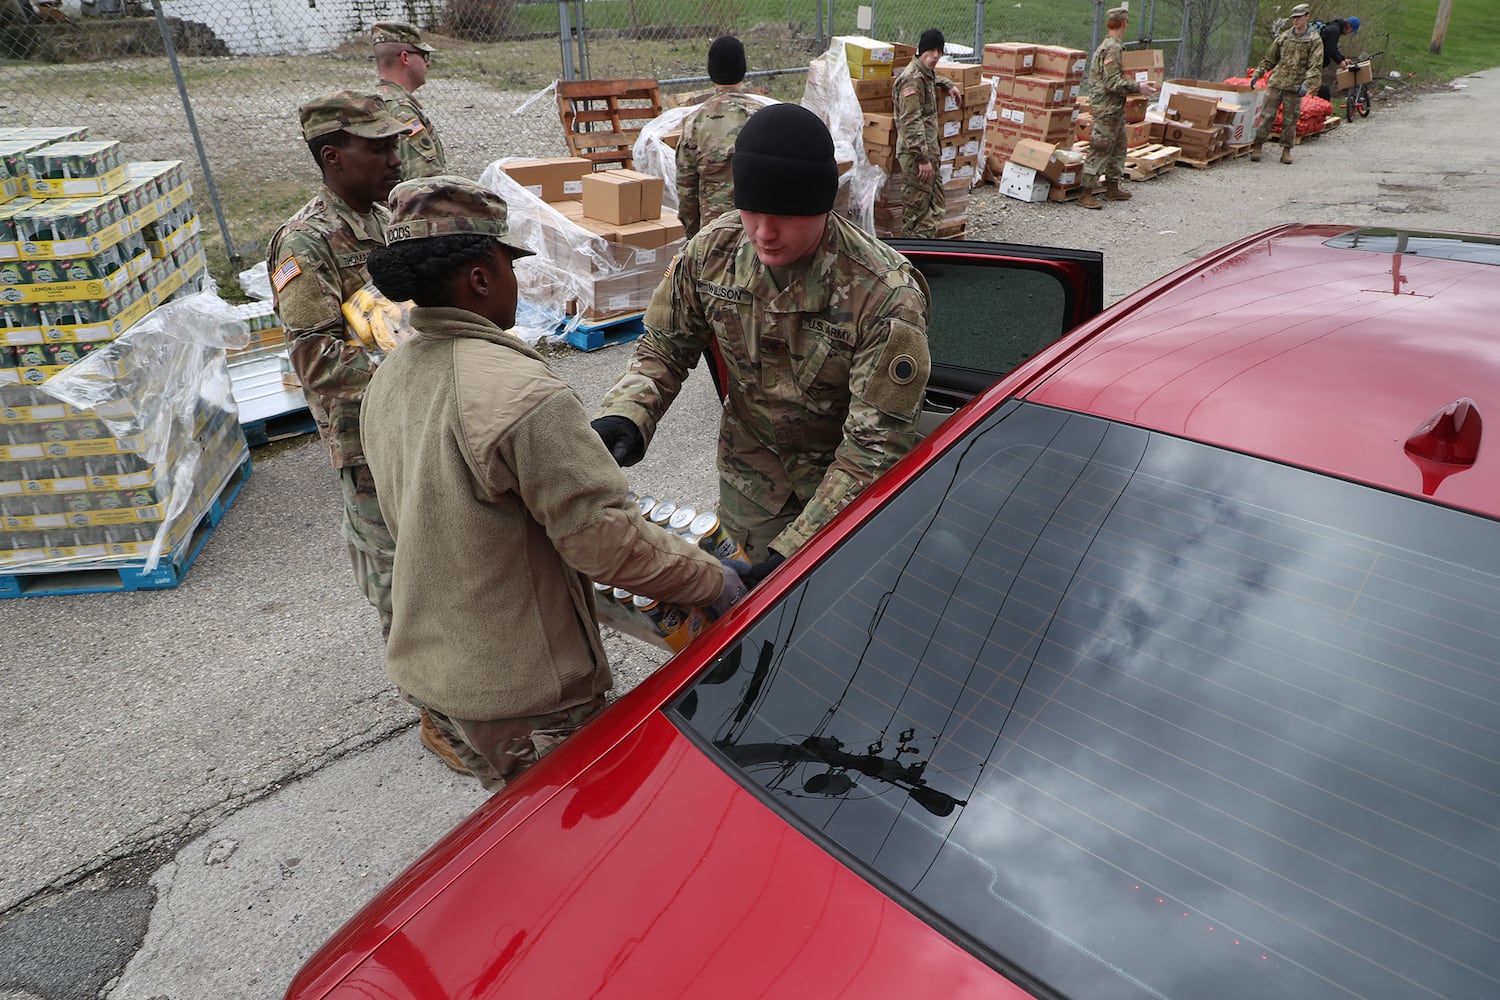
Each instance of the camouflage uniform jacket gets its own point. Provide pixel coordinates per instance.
(504, 503)
(1108, 86)
(1293, 61)
(914, 91)
(705, 182)
(421, 150)
(825, 376)
(317, 260)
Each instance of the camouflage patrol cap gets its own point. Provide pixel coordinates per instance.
(398, 31)
(356, 112)
(1117, 14)
(1301, 10)
(446, 205)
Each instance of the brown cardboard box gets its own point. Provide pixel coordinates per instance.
(1135, 108)
(1361, 73)
(1143, 64)
(1041, 91)
(651, 192)
(963, 74)
(1197, 143)
(976, 97)
(1192, 109)
(1010, 58)
(883, 156)
(552, 179)
(880, 129)
(1039, 156)
(1051, 124)
(880, 105)
(1059, 60)
(611, 197)
(1004, 86)
(869, 89)
(1137, 134)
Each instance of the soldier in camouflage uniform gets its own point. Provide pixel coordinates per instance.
(914, 91)
(705, 184)
(822, 330)
(1294, 63)
(403, 59)
(1108, 88)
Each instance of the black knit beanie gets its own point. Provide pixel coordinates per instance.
(931, 39)
(726, 60)
(783, 163)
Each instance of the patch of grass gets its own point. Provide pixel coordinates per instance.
(1471, 44)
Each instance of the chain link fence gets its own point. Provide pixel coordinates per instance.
(217, 83)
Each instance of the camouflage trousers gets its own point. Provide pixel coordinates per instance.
(750, 524)
(1106, 159)
(372, 551)
(497, 750)
(922, 202)
(1291, 110)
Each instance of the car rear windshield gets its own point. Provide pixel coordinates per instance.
(1128, 715)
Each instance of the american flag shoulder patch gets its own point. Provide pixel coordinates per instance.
(414, 126)
(286, 272)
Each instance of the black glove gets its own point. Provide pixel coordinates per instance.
(622, 437)
(755, 574)
(1301, 91)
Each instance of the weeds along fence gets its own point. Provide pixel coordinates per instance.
(217, 83)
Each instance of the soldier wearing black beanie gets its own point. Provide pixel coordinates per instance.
(705, 183)
(816, 333)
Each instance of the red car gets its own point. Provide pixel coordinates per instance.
(1167, 667)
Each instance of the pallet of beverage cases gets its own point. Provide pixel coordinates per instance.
(605, 333)
(105, 577)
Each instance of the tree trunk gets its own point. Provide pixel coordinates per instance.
(1440, 27)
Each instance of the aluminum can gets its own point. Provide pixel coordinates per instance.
(662, 512)
(646, 504)
(714, 539)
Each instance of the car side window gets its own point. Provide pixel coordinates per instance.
(991, 318)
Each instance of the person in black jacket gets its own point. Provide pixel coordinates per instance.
(1333, 59)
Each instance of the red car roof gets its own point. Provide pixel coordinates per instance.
(1357, 349)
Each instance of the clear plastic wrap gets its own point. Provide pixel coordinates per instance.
(830, 94)
(162, 393)
(576, 277)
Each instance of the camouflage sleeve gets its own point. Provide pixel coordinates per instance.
(308, 300)
(687, 180)
(910, 130)
(1314, 75)
(677, 334)
(1111, 78)
(887, 380)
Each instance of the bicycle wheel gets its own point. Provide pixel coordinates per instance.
(1350, 96)
(1363, 104)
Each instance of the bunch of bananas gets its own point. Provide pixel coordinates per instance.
(374, 319)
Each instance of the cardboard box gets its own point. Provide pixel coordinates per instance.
(1240, 95)
(1135, 108)
(963, 74)
(610, 198)
(868, 90)
(1053, 125)
(1060, 61)
(862, 51)
(651, 192)
(1142, 65)
(1010, 58)
(1047, 159)
(1022, 183)
(1240, 125)
(552, 179)
(1042, 91)
(880, 129)
(871, 71)
(1196, 110)
(977, 97)
(883, 156)
(1137, 134)
(1361, 73)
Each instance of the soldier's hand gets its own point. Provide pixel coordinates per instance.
(1302, 91)
(1254, 75)
(734, 586)
(924, 171)
(621, 436)
(755, 574)
(1148, 88)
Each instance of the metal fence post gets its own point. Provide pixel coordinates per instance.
(1187, 22)
(565, 41)
(187, 108)
(979, 29)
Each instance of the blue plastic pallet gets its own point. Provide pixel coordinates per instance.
(167, 574)
(588, 337)
(283, 425)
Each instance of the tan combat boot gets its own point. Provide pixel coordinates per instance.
(1113, 192)
(1286, 154)
(1255, 151)
(1088, 200)
(433, 739)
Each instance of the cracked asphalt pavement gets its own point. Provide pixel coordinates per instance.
(199, 785)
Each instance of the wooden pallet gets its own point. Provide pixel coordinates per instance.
(1151, 160)
(1329, 124)
(1229, 153)
(601, 119)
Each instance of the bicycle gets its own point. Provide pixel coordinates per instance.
(1357, 97)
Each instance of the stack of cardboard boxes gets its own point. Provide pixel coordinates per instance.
(960, 133)
(1207, 119)
(1036, 94)
(623, 207)
(89, 244)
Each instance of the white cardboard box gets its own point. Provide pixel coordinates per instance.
(1022, 183)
